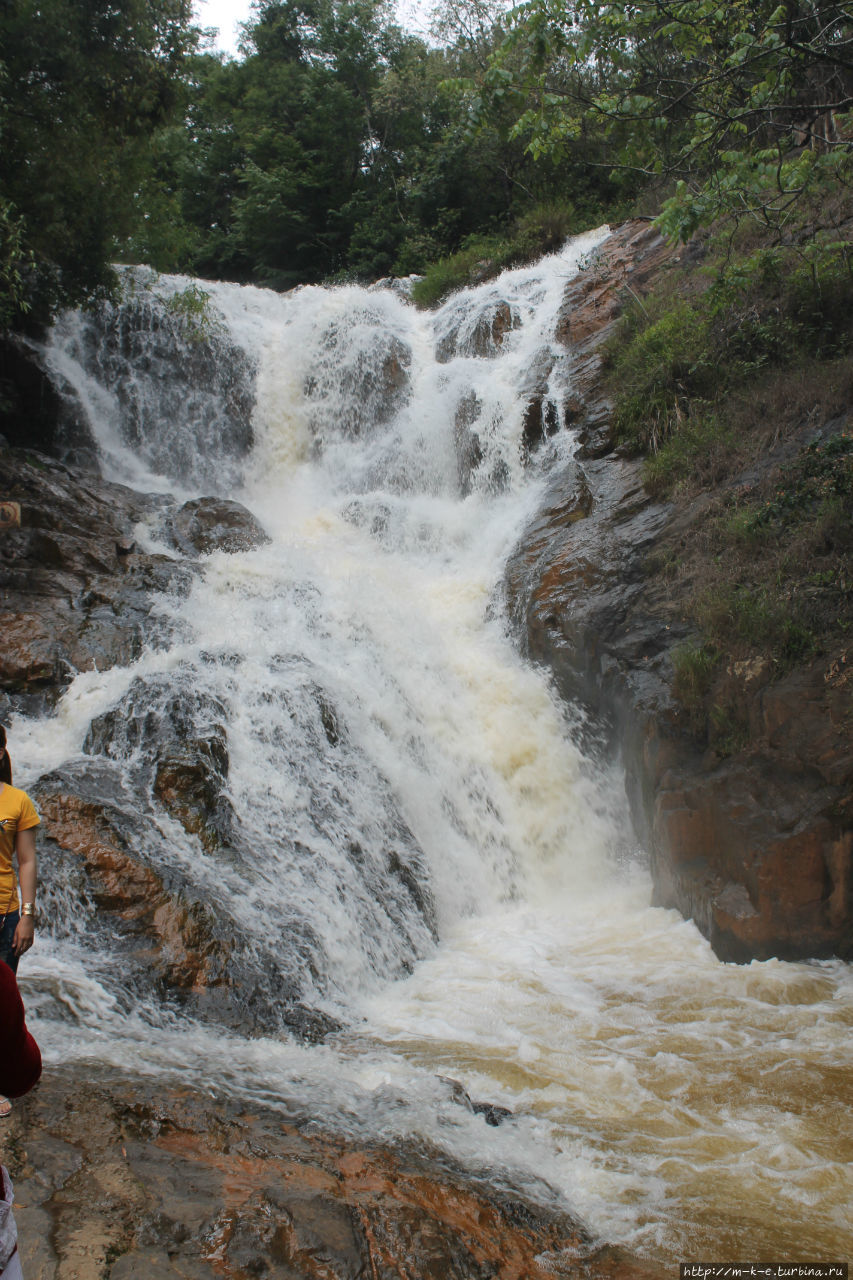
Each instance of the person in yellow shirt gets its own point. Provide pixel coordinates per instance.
(18, 821)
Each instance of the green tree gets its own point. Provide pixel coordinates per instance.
(83, 84)
(747, 105)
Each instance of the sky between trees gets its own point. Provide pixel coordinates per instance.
(227, 15)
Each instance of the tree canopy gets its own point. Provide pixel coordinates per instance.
(333, 148)
(746, 104)
(340, 145)
(83, 84)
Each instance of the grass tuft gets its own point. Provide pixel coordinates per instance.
(542, 229)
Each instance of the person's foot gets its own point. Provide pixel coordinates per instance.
(5, 1107)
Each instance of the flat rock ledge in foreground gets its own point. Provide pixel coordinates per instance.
(117, 1178)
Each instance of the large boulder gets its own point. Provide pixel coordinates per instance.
(204, 525)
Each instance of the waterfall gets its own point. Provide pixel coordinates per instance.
(415, 871)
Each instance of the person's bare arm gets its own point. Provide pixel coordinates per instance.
(25, 849)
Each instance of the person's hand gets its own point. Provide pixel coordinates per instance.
(24, 934)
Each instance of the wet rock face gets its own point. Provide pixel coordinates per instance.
(623, 269)
(79, 593)
(481, 334)
(361, 382)
(76, 586)
(756, 848)
(76, 589)
(137, 1179)
(170, 921)
(216, 524)
(469, 450)
(164, 366)
(180, 734)
(35, 412)
(106, 859)
(762, 844)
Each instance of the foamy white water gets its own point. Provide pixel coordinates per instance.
(375, 702)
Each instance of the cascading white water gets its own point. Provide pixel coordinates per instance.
(420, 840)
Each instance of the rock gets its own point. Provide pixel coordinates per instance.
(97, 831)
(362, 380)
(490, 1111)
(541, 420)
(76, 586)
(756, 848)
(39, 410)
(182, 734)
(761, 845)
(141, 1178)
(481, 334)
(620, 272)
(76, 589)
(402, 286)
(104, 858)
(205, 525)
(542, 417)
(469, 451)
(167, 360)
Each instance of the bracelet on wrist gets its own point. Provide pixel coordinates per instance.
(28, 909)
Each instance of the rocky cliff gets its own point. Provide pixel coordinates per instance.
(756, 846)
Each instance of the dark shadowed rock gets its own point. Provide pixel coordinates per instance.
(39, 410)
(76, 588)
(216, 524)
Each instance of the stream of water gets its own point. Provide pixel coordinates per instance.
(685, 1108)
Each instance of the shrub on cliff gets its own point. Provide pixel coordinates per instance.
(540, 230)
(678, 357)
(735, 380)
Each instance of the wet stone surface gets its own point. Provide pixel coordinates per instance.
(75, 587)
(119, 1177)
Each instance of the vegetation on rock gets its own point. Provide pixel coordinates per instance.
(735, 383)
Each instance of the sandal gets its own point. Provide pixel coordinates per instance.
(5, 1107)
